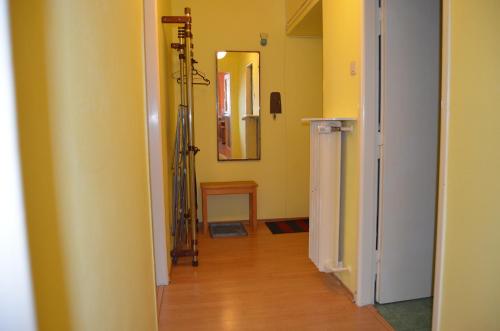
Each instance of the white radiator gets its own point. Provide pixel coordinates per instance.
(324, 195)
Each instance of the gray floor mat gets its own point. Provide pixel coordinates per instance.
(232, 229)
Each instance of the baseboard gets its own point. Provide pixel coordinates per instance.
(347, 290)
(262, 220)
(369, 307)
(283, 219)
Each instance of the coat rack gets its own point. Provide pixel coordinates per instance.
(184, 204)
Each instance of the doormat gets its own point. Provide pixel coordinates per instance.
(223, 230)
(408, 315)
(291, 226)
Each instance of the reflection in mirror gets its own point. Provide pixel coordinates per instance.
(238, 105)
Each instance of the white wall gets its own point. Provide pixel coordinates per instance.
(16, 299)
(157, 180)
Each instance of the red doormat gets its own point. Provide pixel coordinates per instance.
(290, 226)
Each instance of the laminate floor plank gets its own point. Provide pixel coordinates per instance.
(259, 282)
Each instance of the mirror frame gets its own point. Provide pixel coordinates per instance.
(259, 123)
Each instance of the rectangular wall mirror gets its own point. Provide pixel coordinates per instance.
(238, 105)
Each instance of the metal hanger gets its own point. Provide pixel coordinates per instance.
(199, 77)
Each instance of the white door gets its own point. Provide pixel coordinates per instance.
(410, 67)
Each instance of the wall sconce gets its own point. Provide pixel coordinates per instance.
(275, 103)
(221, 55)
(263, 38)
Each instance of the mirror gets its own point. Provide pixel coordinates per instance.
(238, 105)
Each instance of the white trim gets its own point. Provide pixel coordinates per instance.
(368, 157)
(155, 140)
(443, 166)
(17, 308)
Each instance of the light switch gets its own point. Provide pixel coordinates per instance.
(353, 68)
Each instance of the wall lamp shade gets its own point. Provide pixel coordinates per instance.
(275, 106)
(221, 55)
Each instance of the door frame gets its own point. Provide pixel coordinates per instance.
(368, 159)
(155, 144)
(443, 164)
(368, 155)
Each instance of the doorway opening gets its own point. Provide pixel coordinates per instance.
(402, 172)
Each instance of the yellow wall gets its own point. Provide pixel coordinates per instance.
(290, 66)
(341, 46)
(471, 260)
(80, 93)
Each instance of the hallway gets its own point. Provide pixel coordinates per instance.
(261, 282)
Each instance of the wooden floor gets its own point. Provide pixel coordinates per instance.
(260, 282)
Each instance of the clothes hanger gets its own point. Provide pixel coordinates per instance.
(199, 77)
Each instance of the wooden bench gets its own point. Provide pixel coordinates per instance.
(224, 188)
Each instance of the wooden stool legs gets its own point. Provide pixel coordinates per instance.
(252, 208)
(226, 188)
(204, 211)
